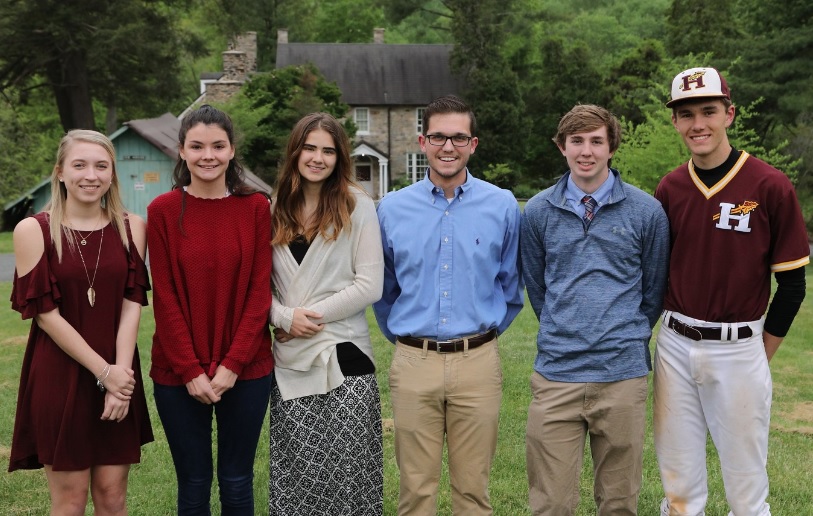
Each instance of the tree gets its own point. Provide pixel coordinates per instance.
(347, 21)
(501, 175)
(743, 136)
(777, 62)
(137, 72)
(422, 26)
(397, 11)
(702, 25)
(609, 28)
(492, 87)
(650, 149)
(124, 53)
(634, 79)
(29, 134)
(268, 107)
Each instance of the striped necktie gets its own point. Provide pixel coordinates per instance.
(589, 206)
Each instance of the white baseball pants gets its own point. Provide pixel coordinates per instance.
(721, 386)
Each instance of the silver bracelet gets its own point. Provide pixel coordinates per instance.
(100, 380)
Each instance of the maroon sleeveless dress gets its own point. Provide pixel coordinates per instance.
(59, 405)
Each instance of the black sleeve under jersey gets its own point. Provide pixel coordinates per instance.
(790, 292)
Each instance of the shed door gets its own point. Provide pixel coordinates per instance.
(143, 183)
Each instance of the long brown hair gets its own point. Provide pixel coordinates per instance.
(112, 206)
(336, 200)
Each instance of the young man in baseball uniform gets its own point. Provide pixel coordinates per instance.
(734, 221)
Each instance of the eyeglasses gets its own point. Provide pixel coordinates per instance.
(439, 140)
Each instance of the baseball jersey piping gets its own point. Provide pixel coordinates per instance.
(789, 266)
(709, 192)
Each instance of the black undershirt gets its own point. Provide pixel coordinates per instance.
(790, 285)
(352, 360)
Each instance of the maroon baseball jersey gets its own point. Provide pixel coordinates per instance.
(727, 239)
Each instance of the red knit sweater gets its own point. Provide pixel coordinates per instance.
(212, 286)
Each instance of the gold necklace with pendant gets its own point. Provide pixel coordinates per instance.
(91, 291)
(84, 239)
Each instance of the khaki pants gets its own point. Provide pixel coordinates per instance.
(560, 416)
(454, 394)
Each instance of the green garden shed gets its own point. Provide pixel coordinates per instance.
(146, 152)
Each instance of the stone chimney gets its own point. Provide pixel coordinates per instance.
(378, 36)
(282, 36)
(219, 92)
(246, 42)
(239, 62)
(235, 66)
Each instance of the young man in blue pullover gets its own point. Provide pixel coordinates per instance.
(595, 254)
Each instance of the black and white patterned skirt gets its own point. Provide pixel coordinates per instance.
(326, 452)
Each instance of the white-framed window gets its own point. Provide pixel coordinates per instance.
(361, 116)
(416, 166)
(419, 120)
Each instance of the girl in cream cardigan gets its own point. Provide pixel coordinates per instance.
(326, 452)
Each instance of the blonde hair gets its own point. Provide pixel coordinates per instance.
(112, 206)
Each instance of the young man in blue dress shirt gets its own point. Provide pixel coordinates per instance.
(595, 254)
(452, 284)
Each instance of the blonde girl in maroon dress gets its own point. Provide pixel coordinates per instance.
(80, 275)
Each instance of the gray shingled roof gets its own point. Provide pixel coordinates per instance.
(378, 74)
(161, 132)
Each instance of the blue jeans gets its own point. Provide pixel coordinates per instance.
(188, 427)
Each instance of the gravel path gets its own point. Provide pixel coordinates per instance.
(6, 267)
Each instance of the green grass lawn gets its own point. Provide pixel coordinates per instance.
(152, 483)
(6, 242)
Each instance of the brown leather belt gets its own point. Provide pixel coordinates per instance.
(701, 333)
(449, 346)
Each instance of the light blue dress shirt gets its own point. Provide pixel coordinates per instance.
(451, 269)
(574, 194)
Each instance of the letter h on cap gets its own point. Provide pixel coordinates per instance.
(696, 78)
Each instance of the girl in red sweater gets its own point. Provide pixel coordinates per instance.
(210, 258)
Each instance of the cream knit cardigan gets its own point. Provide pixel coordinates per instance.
(338, 279)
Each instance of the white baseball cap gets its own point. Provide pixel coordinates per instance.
(698, 83)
